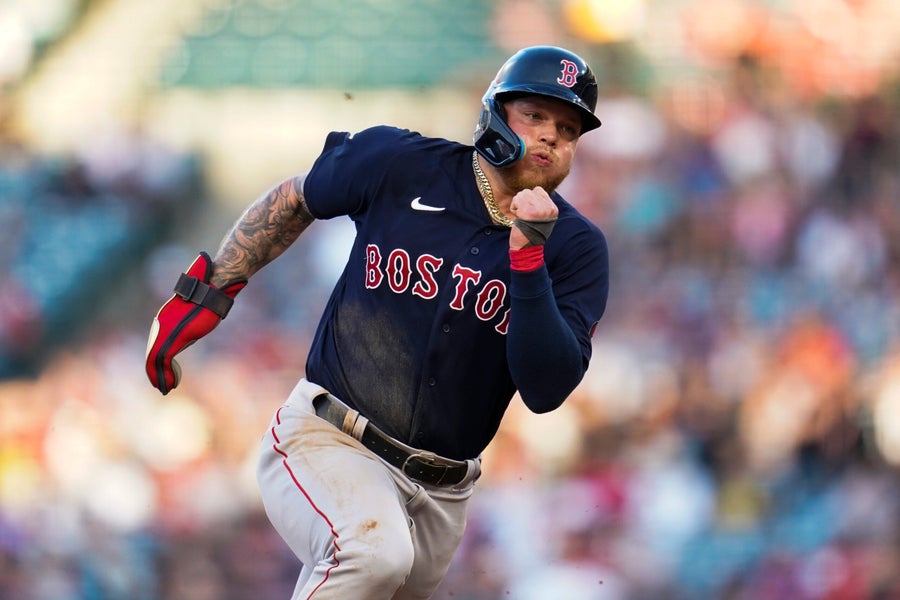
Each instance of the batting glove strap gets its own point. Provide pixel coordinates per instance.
(192, 289)
(193, 311)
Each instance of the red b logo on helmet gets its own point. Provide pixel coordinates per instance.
(569, 74)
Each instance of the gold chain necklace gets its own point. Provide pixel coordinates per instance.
(487, 194)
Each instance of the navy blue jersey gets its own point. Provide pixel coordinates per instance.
(415, 332)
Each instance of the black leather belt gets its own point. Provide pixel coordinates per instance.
(425, 467)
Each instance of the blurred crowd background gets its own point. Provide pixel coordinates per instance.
(738, 433)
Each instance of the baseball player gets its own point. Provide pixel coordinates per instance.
(469, 279)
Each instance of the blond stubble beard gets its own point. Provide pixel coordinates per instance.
(518, 179)
(529, 181)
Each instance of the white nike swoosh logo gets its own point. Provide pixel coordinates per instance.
(417, 205)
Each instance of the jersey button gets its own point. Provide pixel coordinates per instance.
(474, 250)
(431, 381)
(488, 232)
(446, 328)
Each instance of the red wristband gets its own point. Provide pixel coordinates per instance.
(526, 259)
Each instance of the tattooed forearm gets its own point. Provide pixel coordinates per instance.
(265, 230)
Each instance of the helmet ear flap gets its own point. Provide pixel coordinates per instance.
(494, 139)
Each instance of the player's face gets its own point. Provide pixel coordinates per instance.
(550, 129)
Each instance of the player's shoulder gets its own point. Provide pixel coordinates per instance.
(384, 134)
(397, 140)
(387, 148)
(572, 218)
(574, 233)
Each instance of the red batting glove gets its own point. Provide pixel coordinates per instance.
(196, 309)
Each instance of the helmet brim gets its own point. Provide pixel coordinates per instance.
(589, 121)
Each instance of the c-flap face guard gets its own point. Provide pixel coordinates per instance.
(494, 139)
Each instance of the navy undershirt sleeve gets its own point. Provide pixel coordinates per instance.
(544, 356)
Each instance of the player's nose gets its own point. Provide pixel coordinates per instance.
(549, 132)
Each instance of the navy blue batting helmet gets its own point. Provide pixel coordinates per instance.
(539, 70)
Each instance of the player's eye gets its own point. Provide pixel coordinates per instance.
(569, 131)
